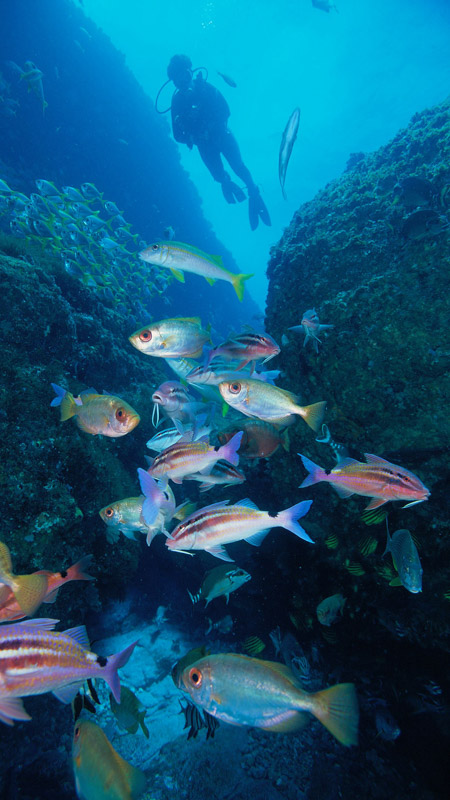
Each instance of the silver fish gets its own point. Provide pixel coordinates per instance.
(287, 143)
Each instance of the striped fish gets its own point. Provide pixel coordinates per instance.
(222, 474)
(188, 458)
(212, 527)
(35, 659)
(375, 478)
(244, 348)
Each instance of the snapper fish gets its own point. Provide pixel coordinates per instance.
(287, 143)
(10, 608)
(100, 772)
(220, 581)
(327, 611)
(171, 338)
(175, 401)
(95, 413)
(311, 327)
(181, 258)
(214, 526)
(251, 692)
(406, 560)
(26, 592)
(188, 458)
(376, 478)
(35, 659)
(270, 403)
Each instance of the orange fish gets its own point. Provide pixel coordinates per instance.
(10, 608)
(260, 439)
(96, 413)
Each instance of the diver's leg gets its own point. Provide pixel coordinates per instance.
(256, 206)
(210, 154)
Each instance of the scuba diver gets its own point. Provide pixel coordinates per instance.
(200, 117)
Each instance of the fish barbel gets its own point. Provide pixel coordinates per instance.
(171, 338)
(180, 258)
(267, 402)
(100, 772)
(264, 694)
(186, 458)
(377, 478)
(35, 659)
(212, 527)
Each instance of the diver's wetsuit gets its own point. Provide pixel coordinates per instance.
(200, 116)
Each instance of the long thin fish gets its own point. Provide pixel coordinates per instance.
(287, 143)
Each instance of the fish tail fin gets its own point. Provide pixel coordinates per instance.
(288, 519)
(229, 451)
(316, 473)
(207, 353)
(77, 571)
(68, 407)
(313, 414)
(145, 730)
(29, 591)
(238, 283)
(210, 624)
(60, 394)
(337, 709)
(114, 664)
(194, 597)
(152, 494)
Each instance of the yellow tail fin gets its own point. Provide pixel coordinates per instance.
(29, 591)
(313, 415)
(68, 407)
(5, 560)
(238, 283)
(337, 709)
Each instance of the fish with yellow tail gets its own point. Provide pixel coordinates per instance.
(264, 694)
(181, 258)
(98, 414)
(376, 478)
(270, 403)
(35, 659)
(214, 526)
(171, 338)
(100, 772)
(28, 591)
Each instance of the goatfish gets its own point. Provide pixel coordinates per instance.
(35, 659)
(220, 581)
(269, 403)
(377, 478)
(181, 258)
(287, 143)
(406, 560)
(99, 414)
(248, 691)
(222, 474)
(260, 439)
(10, 608)
(100, 772)
(245, 348)
(171, 338)
(212, 527)
(129, 713)
(187, 458)
(28, 591)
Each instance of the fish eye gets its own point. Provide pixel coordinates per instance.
(121, 415)
(155, 247)
(77, 732)
(235, 387)
(145, 336)
(109, 512)
(195, 677)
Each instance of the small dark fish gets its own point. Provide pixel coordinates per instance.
(423, 223)
(229, 81)
(413, 192)
(192, 719)
(287, 143)
(85, 699)
(386, 725)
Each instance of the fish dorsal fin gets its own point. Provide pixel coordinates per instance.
(89, 391)
(217, 260)
(281, 669)
(289, 395)
(247, 503)
(211, 507)
(346, 462)
(371, 459)
(43, 624)
(194, 320)
(79, 634)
